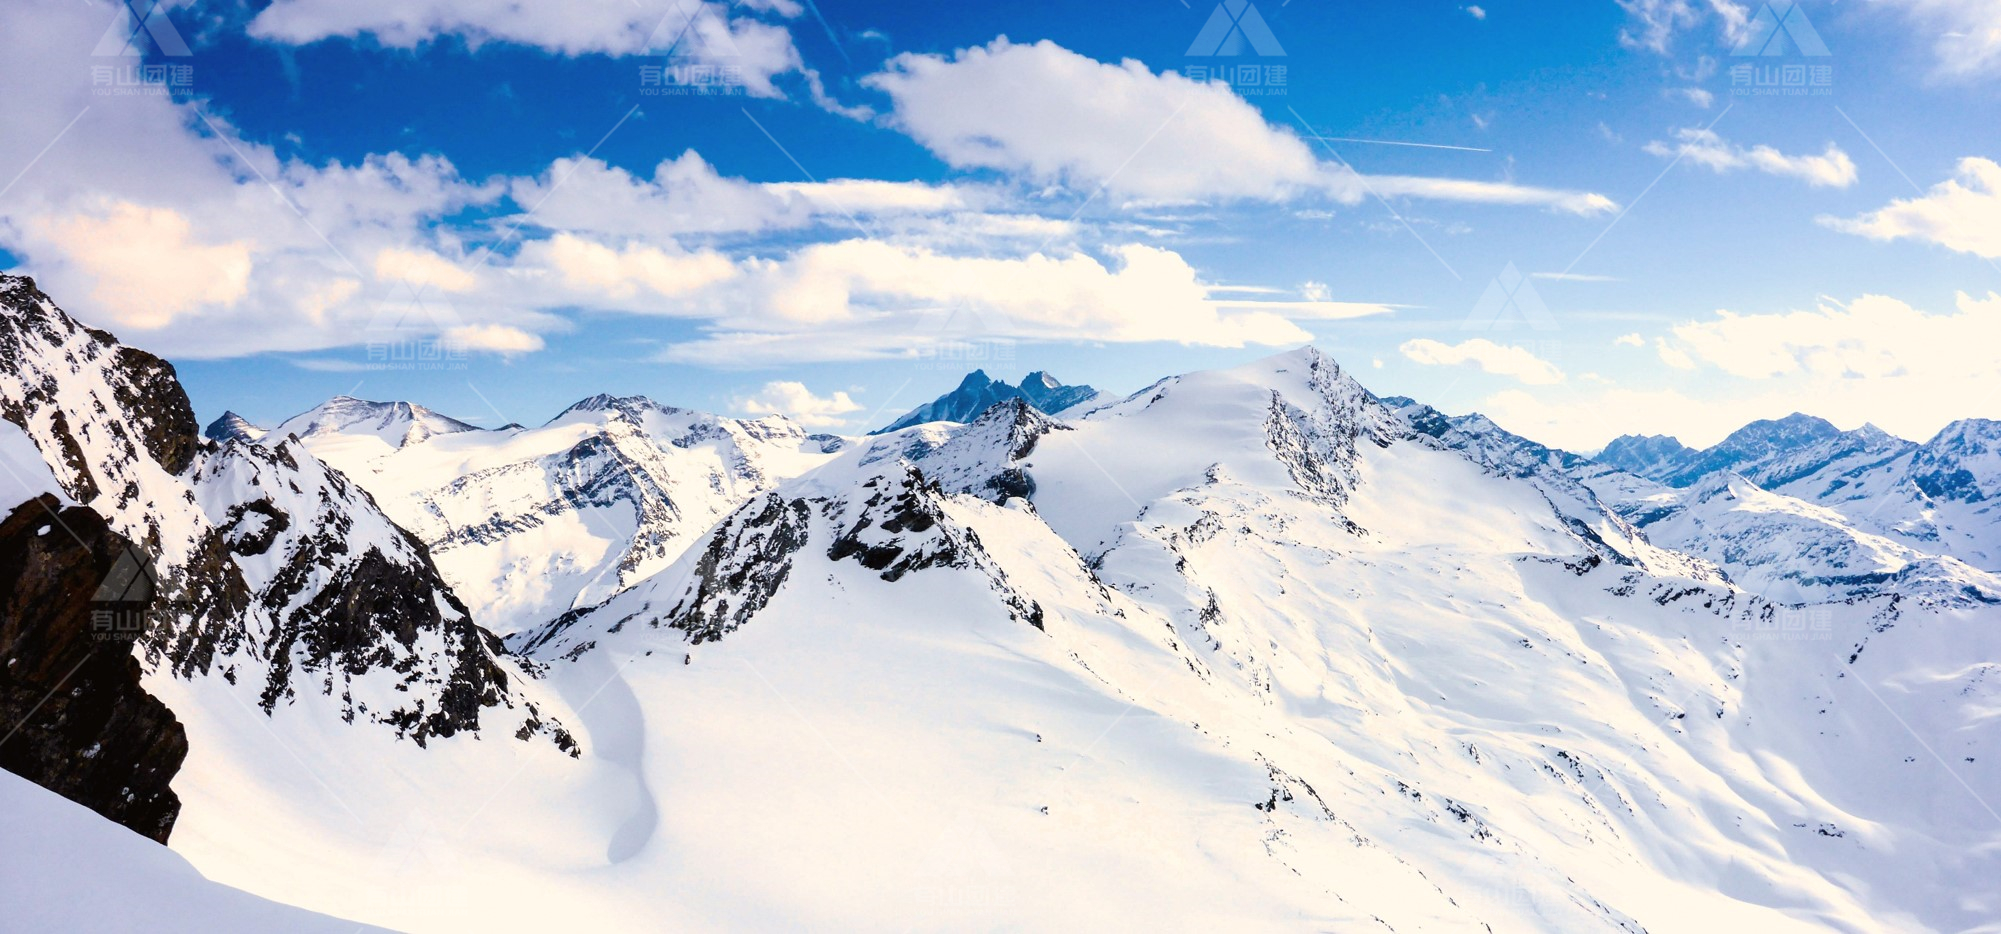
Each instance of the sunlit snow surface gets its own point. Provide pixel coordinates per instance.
(1296, 670)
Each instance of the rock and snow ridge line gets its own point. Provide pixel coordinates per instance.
(277, 579)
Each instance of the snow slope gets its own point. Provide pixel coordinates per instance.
(64, 868)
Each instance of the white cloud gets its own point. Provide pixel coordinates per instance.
(1700, 97)
(1140, 135)
(1653, 24)
(423, 269)
(702, 32)
(686, 195)
(1501, 360)
(1961, 213)
(1966, 34)
(1703, 147)
(1871, 338)
(868, 299)
(1573, 277)
(620, 273)
(493, 338)
(1875, 360)
(1630, 340)
(146, 262)
(1476, 12)
(794, 401)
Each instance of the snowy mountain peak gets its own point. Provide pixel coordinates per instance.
(1961, 463)
(1651, 456)
(395, 423)
(629, 407)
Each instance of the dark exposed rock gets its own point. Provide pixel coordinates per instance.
(81, 724)
(745, 563)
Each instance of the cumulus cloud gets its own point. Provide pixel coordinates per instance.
(1962, 213)
(794, 401)
(621, 273)
(1139, 135)
(147, 262)
(1871, 338)
(1831, 169)
(1630, 340)
(1501, 360)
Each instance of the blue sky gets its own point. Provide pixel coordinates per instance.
(496, 212)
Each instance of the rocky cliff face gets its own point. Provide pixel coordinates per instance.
(73, 597)
(273, 572)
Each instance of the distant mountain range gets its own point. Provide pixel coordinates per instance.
(979, 392)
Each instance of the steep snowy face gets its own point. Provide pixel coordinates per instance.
(273, 572)
(1254, 635)
(979, 392)
(1792, 551)
(528, 524)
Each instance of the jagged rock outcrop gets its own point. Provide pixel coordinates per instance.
(73, 598)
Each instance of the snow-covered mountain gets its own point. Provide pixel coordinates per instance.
(1936, 499)
(1770, 453)
(979, 392)
(1793, 551)
(527, 524)
(392, 424)
(275, 585)
(1249, 648)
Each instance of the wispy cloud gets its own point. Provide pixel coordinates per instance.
(1703, 147)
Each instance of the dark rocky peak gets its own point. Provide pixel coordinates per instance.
(232, 427)
(979, 392)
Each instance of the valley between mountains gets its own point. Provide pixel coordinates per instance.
(1251, 648)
